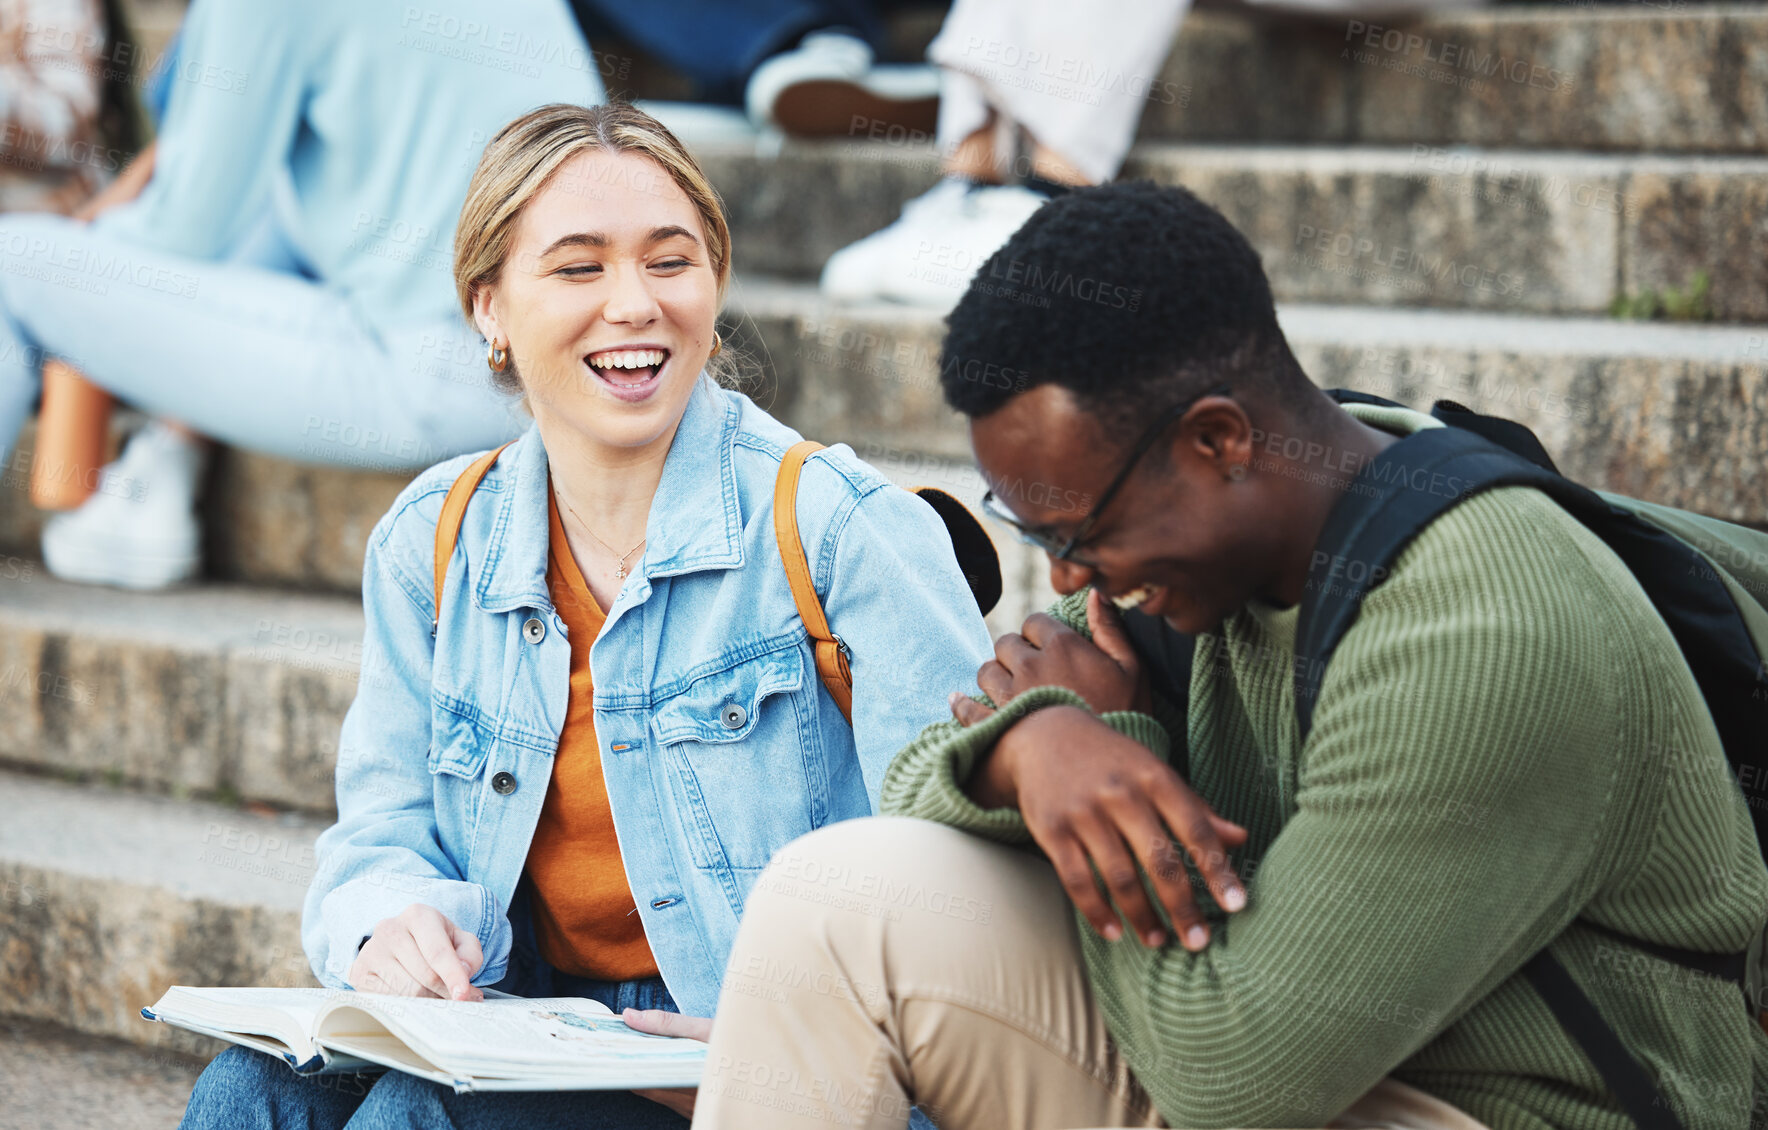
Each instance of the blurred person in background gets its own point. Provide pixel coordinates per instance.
(68, 120)
(804, 67)
(281, 282)
(1038, 96)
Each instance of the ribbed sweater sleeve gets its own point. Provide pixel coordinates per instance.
(927, 778)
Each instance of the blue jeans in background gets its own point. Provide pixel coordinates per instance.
(250, 350)
(717, 43)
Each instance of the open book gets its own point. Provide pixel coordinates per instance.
(502, 1043)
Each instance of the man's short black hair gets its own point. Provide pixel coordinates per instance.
(1132, 296)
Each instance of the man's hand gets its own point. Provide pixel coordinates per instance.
(661, 1022)
(1093, 798)
(419, 953)
(1046, 652)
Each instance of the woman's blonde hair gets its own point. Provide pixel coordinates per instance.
(522, 159)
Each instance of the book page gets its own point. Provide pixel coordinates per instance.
(512, 1037)
(286, 1015)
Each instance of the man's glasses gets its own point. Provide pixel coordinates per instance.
(1062, 549)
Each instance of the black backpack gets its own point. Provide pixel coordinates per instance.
(1707, 579)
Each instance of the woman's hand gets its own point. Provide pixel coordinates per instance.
(419, 953)
(660, 1022)
(125, 188)
(1046, 652)
(1093, 798)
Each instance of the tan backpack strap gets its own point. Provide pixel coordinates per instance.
(454, 510)
(831, 661)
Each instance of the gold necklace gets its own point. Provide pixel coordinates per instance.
(620, 570)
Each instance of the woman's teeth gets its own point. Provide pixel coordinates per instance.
(627, 358)
(1133, 598)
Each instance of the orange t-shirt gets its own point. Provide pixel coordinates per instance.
(584, 917)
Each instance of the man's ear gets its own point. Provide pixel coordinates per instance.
(1217, 431)
(485, 315)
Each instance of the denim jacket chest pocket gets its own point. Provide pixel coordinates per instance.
(458, 745)
(740, 742)
(460, 748)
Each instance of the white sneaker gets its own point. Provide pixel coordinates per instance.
(139, 529)
(928, 257)
(829, 86)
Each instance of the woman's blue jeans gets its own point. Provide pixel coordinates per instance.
(247, 1090)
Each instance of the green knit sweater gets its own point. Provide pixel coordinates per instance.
(1507, 744)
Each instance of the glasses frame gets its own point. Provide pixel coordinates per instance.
(1063, 549)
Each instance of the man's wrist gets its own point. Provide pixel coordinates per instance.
(991, 782)
(995, 782)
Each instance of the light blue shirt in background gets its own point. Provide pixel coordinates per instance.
(357, 123)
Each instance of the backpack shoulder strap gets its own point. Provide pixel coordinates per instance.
(1396, 495)
(831, 661)
(454, 510)
(1629, 1082)
(1508, 434)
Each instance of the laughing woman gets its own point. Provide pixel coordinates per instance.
(562, 777)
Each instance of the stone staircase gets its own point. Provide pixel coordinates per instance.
(1447, 208)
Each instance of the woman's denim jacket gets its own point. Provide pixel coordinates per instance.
(718, 742)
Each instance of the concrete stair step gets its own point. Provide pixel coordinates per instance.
(1622, 404)
(1672, 413)
(267, 520)
(1657, 77)
(1416, 226)
(231, 692)
(1654, 77)
(107, 898)
(218, 689)
(59, 1079)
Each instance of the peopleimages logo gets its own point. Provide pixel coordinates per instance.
(1404, 263)
(501, 47)
(1029, 277)
(80, 268)
(1396, 42)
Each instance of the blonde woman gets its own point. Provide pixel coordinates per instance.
(565, 778)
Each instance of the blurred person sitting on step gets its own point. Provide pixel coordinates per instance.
(804, 67)
(349, 130)
(1038, 96)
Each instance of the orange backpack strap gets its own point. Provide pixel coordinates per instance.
(831, 661)
(454, 509)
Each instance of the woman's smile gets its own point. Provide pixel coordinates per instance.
(631, 373)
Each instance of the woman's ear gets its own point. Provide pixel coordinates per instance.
(485, 316)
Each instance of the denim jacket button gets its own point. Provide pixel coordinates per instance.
(534, 630)
(734, 716)
(503, 784)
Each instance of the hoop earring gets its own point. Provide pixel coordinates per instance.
(1237, 472)
(498, 359)
(717, 346)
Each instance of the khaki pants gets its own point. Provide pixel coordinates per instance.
(886, 963)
